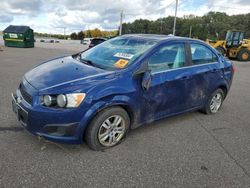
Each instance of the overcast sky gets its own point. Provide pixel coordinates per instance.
(51, 15)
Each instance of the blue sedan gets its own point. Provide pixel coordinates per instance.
(100, 94)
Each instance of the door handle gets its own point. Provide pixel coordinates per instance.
(185, 77)
(214, 70)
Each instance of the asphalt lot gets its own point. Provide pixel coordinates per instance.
(190, 150)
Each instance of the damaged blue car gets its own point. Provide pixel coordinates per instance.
(98, 95)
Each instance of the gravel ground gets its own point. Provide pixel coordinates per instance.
(190, 150)
(65, 44)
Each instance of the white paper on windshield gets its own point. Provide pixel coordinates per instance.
(124, 55)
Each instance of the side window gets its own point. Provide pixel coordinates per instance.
(201, 54)
(168, 57)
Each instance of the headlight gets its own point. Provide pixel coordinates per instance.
(72, 100)
(61, 100)
(75, 99)
(47, 100)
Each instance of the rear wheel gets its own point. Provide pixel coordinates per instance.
(214, 102)
(108, 128)
(243, 55)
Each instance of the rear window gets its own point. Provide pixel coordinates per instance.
(201, 54)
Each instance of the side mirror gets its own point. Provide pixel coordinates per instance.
(142, 69)
(146, 80)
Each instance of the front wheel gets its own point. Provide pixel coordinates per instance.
(214, 102)
(107, 129)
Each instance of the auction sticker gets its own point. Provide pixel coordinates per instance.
(121, 63)
(124, 55)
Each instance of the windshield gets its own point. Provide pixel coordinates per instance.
(228, 35)
(117, 53)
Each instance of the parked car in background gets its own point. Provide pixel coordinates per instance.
(86, 41)
(96, 41)
(100, 94)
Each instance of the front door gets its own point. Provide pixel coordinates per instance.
(170, 82)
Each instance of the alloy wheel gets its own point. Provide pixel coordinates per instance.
(112, 130)
(216, 102)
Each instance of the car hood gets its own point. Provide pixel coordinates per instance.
(60, 71)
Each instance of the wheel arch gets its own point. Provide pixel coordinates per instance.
(102, 105)
(124, 106)
(224, 89)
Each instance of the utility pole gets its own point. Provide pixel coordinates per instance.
(175, 17)
(64, 32)
(190, 31)
(120, 29)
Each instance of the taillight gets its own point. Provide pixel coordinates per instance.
(233, 68)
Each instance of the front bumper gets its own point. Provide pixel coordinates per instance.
(58, 125)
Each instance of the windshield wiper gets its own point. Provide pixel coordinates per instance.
(86, 61)
(89, 62)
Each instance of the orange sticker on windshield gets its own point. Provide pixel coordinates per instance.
(121, 63)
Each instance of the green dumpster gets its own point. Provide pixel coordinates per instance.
(18, 36)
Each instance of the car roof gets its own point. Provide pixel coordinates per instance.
(158, 37)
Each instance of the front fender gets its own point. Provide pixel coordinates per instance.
(112, 89)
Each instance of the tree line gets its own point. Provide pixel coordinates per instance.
(212, 25)
(58, 36)
(92, 33)
(81, 34)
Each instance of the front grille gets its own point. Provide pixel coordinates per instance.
(26, 96)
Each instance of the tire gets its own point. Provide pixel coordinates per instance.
(107, 129)
(221, 50)
(213, 100)
(243, 55)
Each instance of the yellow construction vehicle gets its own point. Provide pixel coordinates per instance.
(234, 46)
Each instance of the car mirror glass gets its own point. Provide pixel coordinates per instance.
(142, 69)
(146, 80)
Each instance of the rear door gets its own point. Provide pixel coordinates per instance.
(205, 72)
